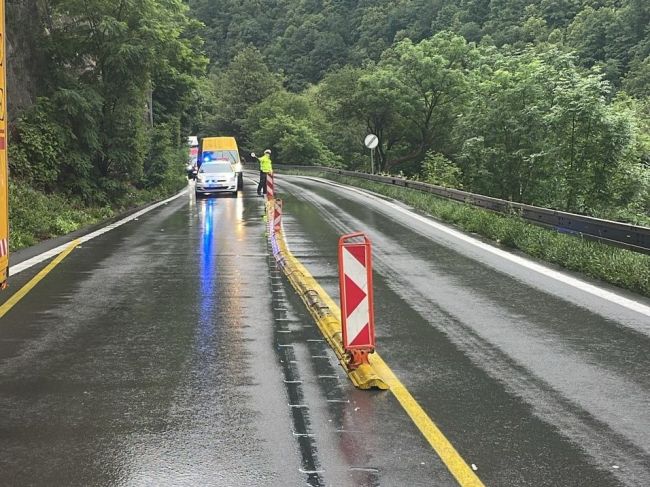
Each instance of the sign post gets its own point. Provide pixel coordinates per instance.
(371, 142)
(357, 311)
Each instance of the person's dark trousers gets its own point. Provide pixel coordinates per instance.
(261, 187)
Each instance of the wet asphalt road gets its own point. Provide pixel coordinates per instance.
(170, 351)
(135, 361)
(534, 381)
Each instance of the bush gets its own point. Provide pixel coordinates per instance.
(164, 170)
(439, 170)
(35, 216)
(36, 148)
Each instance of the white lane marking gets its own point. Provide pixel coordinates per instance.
(553, 274)
(15, 269)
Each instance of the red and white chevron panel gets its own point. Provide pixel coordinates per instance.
(269, 186)
(4, 247)
(277, 215)
(355, 282)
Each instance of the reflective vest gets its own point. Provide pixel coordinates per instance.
(265, 164)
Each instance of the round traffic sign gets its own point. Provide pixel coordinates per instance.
(371, 141)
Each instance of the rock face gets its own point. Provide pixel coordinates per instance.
(25, 61)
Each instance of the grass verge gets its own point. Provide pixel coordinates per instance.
(36, 216)
(623, 268)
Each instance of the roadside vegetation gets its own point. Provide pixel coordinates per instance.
(104, 113)
(534, 101)
(37, 216)
(623, 268)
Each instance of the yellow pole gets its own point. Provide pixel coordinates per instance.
(4, 170)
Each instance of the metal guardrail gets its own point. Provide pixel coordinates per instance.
(631, 237)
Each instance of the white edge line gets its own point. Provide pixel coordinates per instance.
(15, 269)
(553, 274)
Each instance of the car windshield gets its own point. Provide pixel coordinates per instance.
(230, 155)
(216, 167)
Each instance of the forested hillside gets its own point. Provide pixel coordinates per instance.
(540, 101)
(103, 94)
(306, 39)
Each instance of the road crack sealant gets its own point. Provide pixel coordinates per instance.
(299, 411)
(300, 346)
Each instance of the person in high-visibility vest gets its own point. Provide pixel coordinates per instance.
(265, 168)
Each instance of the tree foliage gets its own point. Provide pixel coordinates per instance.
(292, 126)
(539, 101)
(307, 39)
(541, 130)
(115, 67)
(245, 82)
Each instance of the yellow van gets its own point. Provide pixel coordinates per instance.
(222, 148)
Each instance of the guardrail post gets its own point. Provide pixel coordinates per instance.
(357, 312)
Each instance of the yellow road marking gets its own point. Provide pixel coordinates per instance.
(464, 475)
(20, 294)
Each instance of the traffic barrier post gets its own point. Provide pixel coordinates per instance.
(357, 308)
(277, 215)
(269, 186)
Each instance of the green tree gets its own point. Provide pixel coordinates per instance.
(540, 130)
(244, 83)
(590, 140)
(501, 134)
(433, 84)
(338, 99)
(637, 80)
(291, 124)
(114, 68)
(595, 34)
